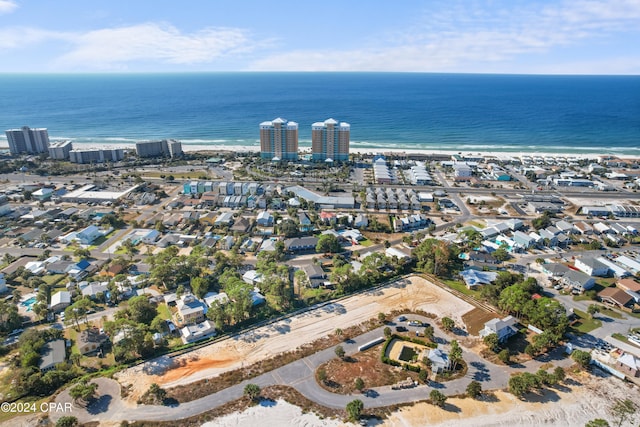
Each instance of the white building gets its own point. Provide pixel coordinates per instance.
(591, 266)
(27, 140)
(60, 150)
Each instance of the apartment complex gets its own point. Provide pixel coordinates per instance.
(163, 148)
(60, 150)
(330, 141)
(27, 140)
(96, 155)
(279, 140)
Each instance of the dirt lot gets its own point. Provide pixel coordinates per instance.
(412, 293)
(475, 320)
(341, 374)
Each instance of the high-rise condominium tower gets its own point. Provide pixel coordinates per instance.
(279, 140)
(330, 141)
(27, 140)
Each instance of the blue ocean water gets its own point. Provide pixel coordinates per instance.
(483, 113)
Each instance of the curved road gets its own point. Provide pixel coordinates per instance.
(300, 375)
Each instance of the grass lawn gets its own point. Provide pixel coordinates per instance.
(164, 312)
(52, 278)
(609, 312)
(366, 243)
(461, 287)
(584, 324)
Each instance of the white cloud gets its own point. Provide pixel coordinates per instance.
(7, 6)
(453, 38)
(153, 42)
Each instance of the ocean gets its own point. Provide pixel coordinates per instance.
(412, 111)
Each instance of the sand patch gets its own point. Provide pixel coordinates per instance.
(411, 293)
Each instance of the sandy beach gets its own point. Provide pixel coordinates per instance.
(304, 150)
(582, 399)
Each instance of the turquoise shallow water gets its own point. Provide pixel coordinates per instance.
(484, 113)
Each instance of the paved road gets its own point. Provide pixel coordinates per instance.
(300, 375)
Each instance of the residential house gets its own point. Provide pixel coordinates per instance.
(578, 280)
(90, 340)
(53, 353)
(88, 235)
(628, 285)
(190, 310)
(252, 277)
(584, 228)
(523, 240)
(440, 361)
(59, 301)
(482, 257)
(264, 219)
(616, 297)
(361, 221)
(315, 274)
(398, 253)
(555, 270)
(224, 219)
(299, 244)
(94, 288)
(591, 266)
(241, 225)
(503, 328)
(197, 332)
(628, 365)
(305, 223)
(473, 278)
(227, 243)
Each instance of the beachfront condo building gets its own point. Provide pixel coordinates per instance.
(330, 141)
(95, 155)
(279, 140)
(163, 148)
(60, 150)
(28, 141)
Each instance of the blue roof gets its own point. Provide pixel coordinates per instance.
(83, 264)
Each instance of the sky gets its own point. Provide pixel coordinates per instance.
(460, 36)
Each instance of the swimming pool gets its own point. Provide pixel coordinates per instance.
(28, 303)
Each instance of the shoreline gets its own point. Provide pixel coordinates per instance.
(501, 155)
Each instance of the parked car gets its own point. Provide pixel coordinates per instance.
(402, 319)
(415, 323)
(401, 329)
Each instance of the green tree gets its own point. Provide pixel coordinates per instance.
(67, 421)
(448, 324)
(354, 409)
(288, 228)
(340, 352)
(322, 375)
(359, 384)
(252, 391)
(504, 356)
(429, 332)
(328, 243)
(387, 332)
(158, 393)
(593, 309)
(199, 286)
(622, 411)
(501, 254)
(382, 317)
(83, 391)
(492, 342)
(559, 374)
(437, 257)
(141, 310)
(437, 398)
(455, 354)
(598, 422)
(474, 389)
(582, 358)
